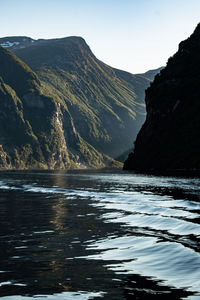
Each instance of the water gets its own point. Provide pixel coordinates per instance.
(98, 235)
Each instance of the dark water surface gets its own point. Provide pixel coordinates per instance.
(98, 235)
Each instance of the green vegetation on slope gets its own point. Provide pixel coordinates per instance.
(105, 104)
(76, 111)
(34, 123)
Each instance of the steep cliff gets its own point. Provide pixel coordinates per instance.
(170, 136)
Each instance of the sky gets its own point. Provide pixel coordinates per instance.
(131, 35)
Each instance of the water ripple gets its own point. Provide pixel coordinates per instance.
(116, 224)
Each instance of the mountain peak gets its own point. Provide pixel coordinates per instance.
(19, 42)
(73, 38)
(197, 29)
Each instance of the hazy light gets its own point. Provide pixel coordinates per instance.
(133, 35)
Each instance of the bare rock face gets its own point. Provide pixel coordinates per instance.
(170, 136)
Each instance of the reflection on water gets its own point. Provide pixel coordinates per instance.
(90, 235)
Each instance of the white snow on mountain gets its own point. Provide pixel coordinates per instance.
(9, 44)
(22, 43)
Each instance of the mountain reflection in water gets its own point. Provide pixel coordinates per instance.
(99, 235)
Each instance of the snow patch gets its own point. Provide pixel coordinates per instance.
(9, 44)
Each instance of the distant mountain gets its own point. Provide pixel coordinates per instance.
(94, 111)
(170, 136)
(151, 73)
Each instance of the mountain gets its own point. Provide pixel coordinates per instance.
(170, 136)
(105, 104)
(80, 111)
(151, 73)
(36, 129)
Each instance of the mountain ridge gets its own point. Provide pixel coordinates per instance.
(92, 106)
(69, 63)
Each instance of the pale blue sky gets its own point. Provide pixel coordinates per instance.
(132, 35)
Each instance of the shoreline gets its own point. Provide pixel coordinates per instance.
(170, 172)
(173, 173)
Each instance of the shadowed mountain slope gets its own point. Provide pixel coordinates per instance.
(170, 136)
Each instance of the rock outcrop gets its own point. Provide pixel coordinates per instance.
(170, 136)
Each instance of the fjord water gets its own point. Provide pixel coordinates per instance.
(99, 235)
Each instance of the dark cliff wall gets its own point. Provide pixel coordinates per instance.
(170, 136)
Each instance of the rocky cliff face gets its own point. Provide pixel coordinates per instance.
(170, 136)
